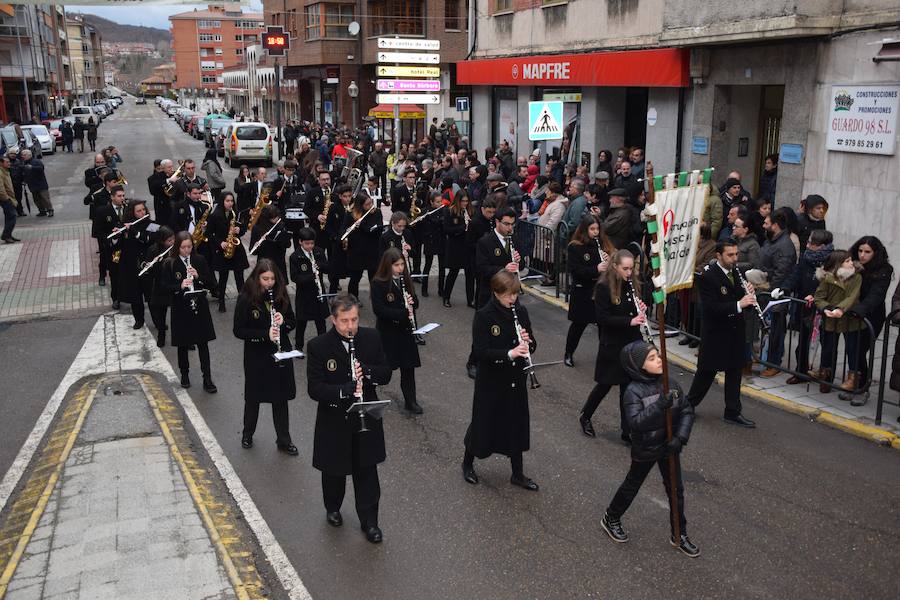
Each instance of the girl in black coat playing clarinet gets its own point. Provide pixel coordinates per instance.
(263, 319)
(307, 265)
(275, 239)
(187, 277)
(587, 258)
(394, 303)
(225, 220)
(619, 320)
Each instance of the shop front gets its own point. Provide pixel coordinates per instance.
(412, 121)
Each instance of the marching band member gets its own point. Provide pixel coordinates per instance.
(308, 263)
(134, 242)
(340, 448)
(394, 303)
(263, 319)
(494, 250)
(362, 243)
(100, 197)
(286, 185)
(187, 276)
(107, 219)
(276, 241)
(316, 199)
(586, 263)
(500, 421)
(187, 178)
(457, 254)
(224, 221)
(241, 184)
(616, 297)
(403, 196)
(394, 237)
(160, 297)
(162, 170)
(334, 229)
(431, 231)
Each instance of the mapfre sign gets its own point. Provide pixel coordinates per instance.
(665, 67)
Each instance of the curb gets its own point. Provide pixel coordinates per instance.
(880, 436)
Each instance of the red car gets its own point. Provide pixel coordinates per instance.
(53, 126)
(192, 124)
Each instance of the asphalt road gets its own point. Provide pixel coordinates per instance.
(791, 509)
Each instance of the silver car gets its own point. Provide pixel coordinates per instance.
(43, 136)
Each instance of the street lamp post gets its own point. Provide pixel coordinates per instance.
(262, 92)
(353, 90)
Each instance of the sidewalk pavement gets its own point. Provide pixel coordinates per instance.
(800, 399)
(118, 506)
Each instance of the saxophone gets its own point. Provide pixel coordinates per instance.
(169, 187)
(232, 241)
(199, 235)
(326, 209)
(260, 205)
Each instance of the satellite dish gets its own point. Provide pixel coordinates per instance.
(353, 28)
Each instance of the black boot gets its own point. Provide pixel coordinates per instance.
(568, 361)
(221, 304)
(413, 407)
(208, 386)
(185, 380)
(613, 527)
(586, 426)
(137, 325)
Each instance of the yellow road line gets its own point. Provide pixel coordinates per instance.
(53, 459)
(235, 555)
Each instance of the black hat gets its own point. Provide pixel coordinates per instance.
(633, 356)
(618, 192)
(814, 200)
(731, 181)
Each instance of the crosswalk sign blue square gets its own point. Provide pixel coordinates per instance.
(545, 120)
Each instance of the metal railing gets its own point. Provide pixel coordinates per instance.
(887, 354)
(539, 248)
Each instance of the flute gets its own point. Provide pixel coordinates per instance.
(264, 236)
(155, 260)
(419, 218)
(356, 224)
(125, 227)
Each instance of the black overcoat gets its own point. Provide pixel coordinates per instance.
(189, 327)
(134, 243)
(722, 329)
(616, 332)
(159, 293)
(491, 257)
(431, 231)
(337, 255)
(309, 306)
(338, 445)
(217, 232)
(275, 245)
(265, 380)
(582, 261)
(362, 243)
(500, 420)
(392, 322)
(456, 252)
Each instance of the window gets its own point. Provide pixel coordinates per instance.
(452, 20)
(403, 17)
(250, 25)
(208, 24)
(204, 52)
(327, 20)
(207, 65)
(238, 51)
(503, 5)
(209, 37)
(238, 38)
(220, 65)
(218, 52)
(208, 79)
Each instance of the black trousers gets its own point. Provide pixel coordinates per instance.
(366, 489)
(574, 336)
(408, 384)
(137, 310)
(355, 278)
(637, 473)
(383, 186)
(429, 260)
(280, 419)
(515, 462)
(105, 255)
(301, 331)
(451, 280)
(184, 364)
(158, 316)
(704, 379)
(223, 281)
(597, 395)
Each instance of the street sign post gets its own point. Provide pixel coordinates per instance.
(408, 85)
(383, 71)
(545, 121)
(409, 99)
(462, 104)
(408, 44)
(421, 58)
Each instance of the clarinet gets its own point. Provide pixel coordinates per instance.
(358, 396)
(315, 270)
(644, 327)
(603, 255)
(270, 294)
(745, 287)
(529, 365)
(192, 301)
(408, 301)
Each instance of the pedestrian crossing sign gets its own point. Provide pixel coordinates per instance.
(545, 121)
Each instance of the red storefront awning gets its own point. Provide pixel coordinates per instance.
(664, 67)
(407, 111)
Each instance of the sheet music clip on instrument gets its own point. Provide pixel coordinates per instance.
(374, 409)
(426, 328)
(190, 292)
(295, 214)
(325, 296)
(279, 356)
(153, 227)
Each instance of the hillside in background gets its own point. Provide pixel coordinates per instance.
(111, 31)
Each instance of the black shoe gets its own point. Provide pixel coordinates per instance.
(471, 371)
(424, 292)
(334, 518)
(447, 303)
(49, 213)
(524, 482)
(626, 438)
(693, 343)
(613, 528)
(42, 214)
(138, 325)
(686, 546)
(8, 241)
(684, 341)
(214, 293)
(420, 339)
(185, 380)
(586, 426)
(116, 305)
(222, 306)
(373, 534)
(469, 475)
(470, 304)
(289, 449)
(161, 340)
(102, 282)
(740, 420)
(15, 239)
(414, 408)
(246, 441)
(567, 360)
(208, 386)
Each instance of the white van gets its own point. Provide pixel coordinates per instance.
(248, 141)
(85, 112)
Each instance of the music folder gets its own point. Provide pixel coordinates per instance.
(374, 409)
(287, 355)
(426, 328)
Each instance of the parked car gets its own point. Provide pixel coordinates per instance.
(192, 124)
(171, 109)
(101, 109)
(53, 126)
(141, 100)
(214, 129)
(10, 141)
(43, 136)
(85, 112)
(248, 142)
(200, 129)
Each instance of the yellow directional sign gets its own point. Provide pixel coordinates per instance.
(408, 71)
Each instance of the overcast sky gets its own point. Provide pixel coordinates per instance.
(149, 16)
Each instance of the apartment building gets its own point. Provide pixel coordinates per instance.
(86, 59)
(703, 83)
(206, 42)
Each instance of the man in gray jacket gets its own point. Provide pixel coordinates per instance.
(777, 259)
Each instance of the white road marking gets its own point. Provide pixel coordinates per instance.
(64, 260)
(9, 256)
(113, 347)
